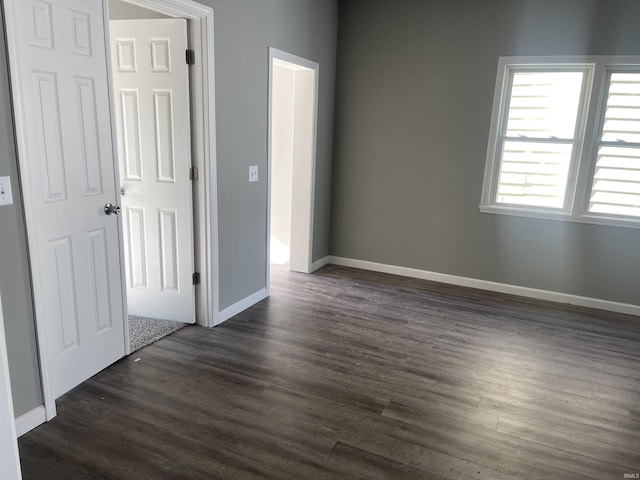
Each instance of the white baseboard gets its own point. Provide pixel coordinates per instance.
(559, 297)
(240, 306)
(30, 420)
(320, 263)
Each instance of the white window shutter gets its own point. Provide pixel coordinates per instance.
(616, 180)
(537, 147)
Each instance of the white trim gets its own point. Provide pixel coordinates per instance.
(559, 297)
(507, 67)
(30, 420)
(586, 218)
(275, 54)
(318, 264)
(207, 293)
(242, 305)
(9, 455)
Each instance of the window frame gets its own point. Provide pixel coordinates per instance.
(589, 125)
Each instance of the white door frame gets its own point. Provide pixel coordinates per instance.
(201, 38)
(203, 148)
(9, 457)
(303, 62)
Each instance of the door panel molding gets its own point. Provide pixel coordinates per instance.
(165, 191)
(203, 149)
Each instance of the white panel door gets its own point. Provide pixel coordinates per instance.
(151, 87)
(60, 79)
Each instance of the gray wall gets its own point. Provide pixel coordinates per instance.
(119, 10)
(414, 94)
(14, 277)
(243, 32)
(244, 29)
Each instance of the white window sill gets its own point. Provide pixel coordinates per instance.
(588, 218)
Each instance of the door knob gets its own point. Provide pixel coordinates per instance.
(109, 209)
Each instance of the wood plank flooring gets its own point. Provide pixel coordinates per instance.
(346, 374)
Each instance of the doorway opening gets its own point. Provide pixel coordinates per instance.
(200, 32)
(170, 261)
(152, 113)
(293, 105)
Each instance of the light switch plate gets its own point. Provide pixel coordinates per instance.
(6, 198)
(253, 173)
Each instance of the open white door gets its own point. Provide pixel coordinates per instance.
(151, 86)
(59, 78)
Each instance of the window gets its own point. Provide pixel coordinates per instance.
(616, 180)
(565, 140)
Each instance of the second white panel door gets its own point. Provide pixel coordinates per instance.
(151, 85)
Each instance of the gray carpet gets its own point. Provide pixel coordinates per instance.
(144, 331)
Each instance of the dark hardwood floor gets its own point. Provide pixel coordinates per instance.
(349, 374)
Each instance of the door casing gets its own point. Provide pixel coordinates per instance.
(202, 85)
(200, 26)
